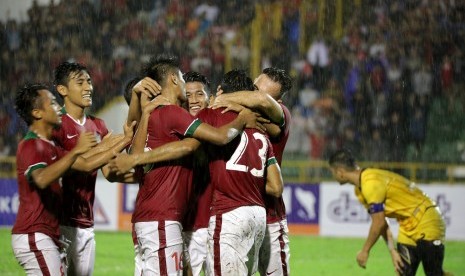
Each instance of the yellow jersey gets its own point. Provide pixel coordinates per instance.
(399, 198)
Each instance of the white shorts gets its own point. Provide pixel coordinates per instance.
(38, 254)
(160, 244)
(274, 253)
(195, 250)
(138, 261)
(138, 268)
(81, 251)
(234, 240)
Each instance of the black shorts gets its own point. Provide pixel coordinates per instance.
(429, 253)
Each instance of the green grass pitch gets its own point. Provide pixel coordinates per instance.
(310, 255)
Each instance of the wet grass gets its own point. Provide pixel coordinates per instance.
(310, 255)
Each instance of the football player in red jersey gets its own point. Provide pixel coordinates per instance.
(272, 85)
(40, 164)
(74, 85)
(195, 225)
(238, 170)
(162, 199)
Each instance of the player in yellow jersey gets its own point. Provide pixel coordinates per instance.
(387, 194)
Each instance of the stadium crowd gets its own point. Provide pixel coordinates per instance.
(370, 90)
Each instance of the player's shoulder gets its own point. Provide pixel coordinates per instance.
(98, 122)
(207, 114)
(32, 142)
(172, 108)
(209, 111)
(287, 113)
(26, 144)
(284, 107)
(370, 175)
(93, 118)
(369, 172)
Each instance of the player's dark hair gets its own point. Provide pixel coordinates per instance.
(160, 66)
(64, 70)
(197, 77)
(344, 158)
(280, 76)
(236, 80)
(127, 93)
(28, 99)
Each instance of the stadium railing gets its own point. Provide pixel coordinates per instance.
(315, 171)
(8, 167)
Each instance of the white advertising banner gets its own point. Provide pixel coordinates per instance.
(106, 204)
(342, 215)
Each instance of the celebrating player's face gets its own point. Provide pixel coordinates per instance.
(197, 98)
(50, 108)
(80, 89)
(267, 85)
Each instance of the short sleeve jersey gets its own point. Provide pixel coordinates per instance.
(400, 198)
(166, 188)
(78, 187)
(237, 170)
(38, 208)
(275, 208)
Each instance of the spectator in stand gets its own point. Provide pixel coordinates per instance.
(318, 56)
(376, 149)
(298, 143)
(422, 81)
(418, 27)
(397, 134)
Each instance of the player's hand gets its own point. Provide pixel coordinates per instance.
(153, 104)
(251, 120)
(397, 261)
(128, 129)
(86, 141)
(362, 258)
(211, 100)
(148, 87)
(219, 91)
(110, 140)
(122, 163)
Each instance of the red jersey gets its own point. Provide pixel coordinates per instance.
(38, 208)
(238, 169)
(166, 188)
(275, 208)
(198, 214)
(78, 187)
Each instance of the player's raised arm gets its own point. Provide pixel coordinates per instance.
(45, 176)
(108, 142)
(138, 143)
(148, 87)
(260, 101)
(171, 151)
(225, 134)
(98, 160)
